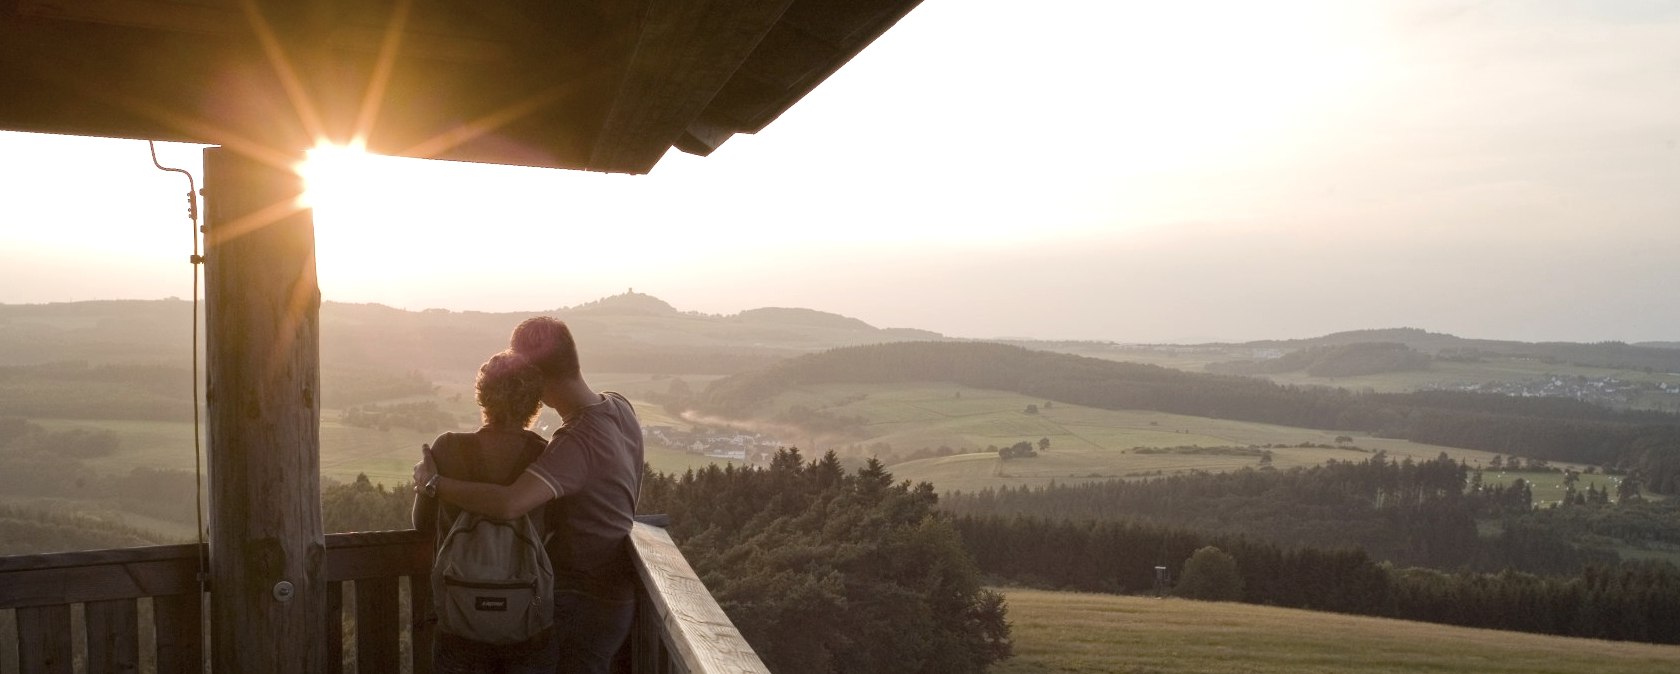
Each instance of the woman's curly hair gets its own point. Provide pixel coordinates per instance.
(509, 390)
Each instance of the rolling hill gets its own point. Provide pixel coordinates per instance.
(1554, 429)
(631, 332)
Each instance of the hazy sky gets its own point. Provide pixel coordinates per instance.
(1133, 171)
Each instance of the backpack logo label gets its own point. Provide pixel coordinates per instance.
(490, 604)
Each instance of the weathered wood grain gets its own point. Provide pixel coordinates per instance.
(422, 629)
(44, 640)
(701, 638)
(179, 622)
(679, 626)
(132, 573)
(335, 626)
(376, 624)
(647, 645)
(113, 636)
(376, 554)
(688, 46)
(262, 322)
(99, 575)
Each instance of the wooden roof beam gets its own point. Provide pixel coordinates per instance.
(691, 48)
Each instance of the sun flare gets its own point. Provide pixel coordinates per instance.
(331, 174)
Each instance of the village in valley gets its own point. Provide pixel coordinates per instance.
(717, 443)
(1597, 390)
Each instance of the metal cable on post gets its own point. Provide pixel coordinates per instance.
(198, 462)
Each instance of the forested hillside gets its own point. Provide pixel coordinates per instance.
(1437, 513)
(1345, 360)
(1650, 356)
(1553, 429)
(829, 571)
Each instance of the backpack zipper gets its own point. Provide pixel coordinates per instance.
(489, 585)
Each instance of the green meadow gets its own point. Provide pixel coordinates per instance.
(1549, 488)
(1085, 443)
(386, 456)
(1066, 632)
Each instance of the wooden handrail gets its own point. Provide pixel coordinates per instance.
(66, 578)
(132, 573)
(675, 608)
(679, 626)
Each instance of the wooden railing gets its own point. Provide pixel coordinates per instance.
(140, 610)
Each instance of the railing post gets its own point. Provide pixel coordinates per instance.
(263, 341)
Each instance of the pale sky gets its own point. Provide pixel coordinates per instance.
(1129, 171)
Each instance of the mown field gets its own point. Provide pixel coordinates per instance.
(1085, 443)
(1065, 632)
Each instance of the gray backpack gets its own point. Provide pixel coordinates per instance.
(492, 581)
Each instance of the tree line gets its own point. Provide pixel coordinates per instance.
(1411, 513)
(1637, 601)
(1555, 429)
(825, 570)
(1340, 360)
(424, 416)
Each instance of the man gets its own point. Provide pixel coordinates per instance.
(593, 465)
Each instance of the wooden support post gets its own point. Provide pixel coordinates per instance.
(262, 307)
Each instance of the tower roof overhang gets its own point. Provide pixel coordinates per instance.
(583, 84)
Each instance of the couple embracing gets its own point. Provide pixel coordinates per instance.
(576, 490)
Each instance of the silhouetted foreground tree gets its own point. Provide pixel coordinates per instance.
(825, 571)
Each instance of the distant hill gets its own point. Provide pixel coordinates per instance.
(629, 332)
(1342, 360)
(630, 303)
(1648, 356)
(1551, 428)
(810, 317)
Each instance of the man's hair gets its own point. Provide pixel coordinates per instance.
(509, 389)
(548, 343)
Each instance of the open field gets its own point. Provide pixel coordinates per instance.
(1448, 373)
(386, 456)
(1090, 633)
(1085, 443)
(1548, 487)
(1441, 374)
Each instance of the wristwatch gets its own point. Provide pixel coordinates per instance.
(430, 490)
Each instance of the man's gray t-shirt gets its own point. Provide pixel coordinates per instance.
(594, 466)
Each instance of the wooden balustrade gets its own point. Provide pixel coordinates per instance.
(680, 628)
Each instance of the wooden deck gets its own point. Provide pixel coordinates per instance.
(139, 609)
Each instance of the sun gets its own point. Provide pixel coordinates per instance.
(332, 173)
(356, 197)
(356, 194)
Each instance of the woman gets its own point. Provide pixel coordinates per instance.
(509, 390)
